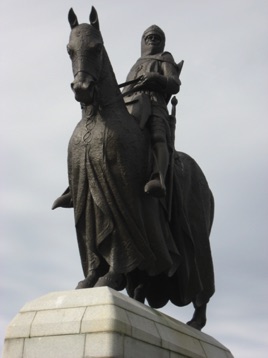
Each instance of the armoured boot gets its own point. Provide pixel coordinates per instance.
(156, 185)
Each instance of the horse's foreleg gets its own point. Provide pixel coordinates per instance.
(92, 277)
(199, 318)
(89, 281)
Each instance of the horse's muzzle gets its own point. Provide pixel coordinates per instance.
(83, 89)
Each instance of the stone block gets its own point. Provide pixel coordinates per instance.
(57, 322)
(214, 351)
(66, 346)
(63, 299)
(20, 326)
(143, 329)
(95, 320)
(13, 348)
(134, 348)
(176, 355)
(176, 341)
(104, 345)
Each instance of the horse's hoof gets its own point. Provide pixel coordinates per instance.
(88, 282)
(155, 188)
(116, 281)
(197, 325)
(139, 295)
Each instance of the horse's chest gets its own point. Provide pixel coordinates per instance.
(92, 140)
(84, 134)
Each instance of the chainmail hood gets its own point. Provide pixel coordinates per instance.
(152, 50)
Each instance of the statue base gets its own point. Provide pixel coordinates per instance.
(101, 322)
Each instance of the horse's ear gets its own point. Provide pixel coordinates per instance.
(72, 19)
(93, 18)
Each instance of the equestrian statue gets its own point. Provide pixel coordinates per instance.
(143, 211)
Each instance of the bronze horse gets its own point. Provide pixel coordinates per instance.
(126, 238)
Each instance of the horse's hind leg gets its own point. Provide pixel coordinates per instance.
(199, 318)
(140, 293)
(136, 286)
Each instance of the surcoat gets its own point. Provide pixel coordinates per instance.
(164, 65)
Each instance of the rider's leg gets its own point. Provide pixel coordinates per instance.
(158, 129)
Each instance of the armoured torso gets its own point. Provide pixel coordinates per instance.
(164, 65)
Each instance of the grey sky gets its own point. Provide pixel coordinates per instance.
(222, 124)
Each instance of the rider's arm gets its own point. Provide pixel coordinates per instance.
(170, 72)
(165, 81)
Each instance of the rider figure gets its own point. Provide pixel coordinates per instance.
(159, 79)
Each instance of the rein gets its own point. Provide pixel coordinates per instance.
(129, 82)
(134, 89)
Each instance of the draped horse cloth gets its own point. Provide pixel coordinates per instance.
(115, 220)
(120, 224)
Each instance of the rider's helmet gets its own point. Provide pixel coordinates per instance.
(152, 41)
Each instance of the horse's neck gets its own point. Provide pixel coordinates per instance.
(109, 98)
(108, 90)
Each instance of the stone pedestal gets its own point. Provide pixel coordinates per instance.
(100, 322)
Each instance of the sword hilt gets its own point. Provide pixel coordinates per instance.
(174, 103)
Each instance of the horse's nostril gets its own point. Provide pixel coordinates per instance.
(85, 85)
(80, 86)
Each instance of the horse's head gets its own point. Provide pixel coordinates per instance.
(85, 49)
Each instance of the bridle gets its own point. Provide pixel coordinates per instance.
(95, 80)
(83, 71)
